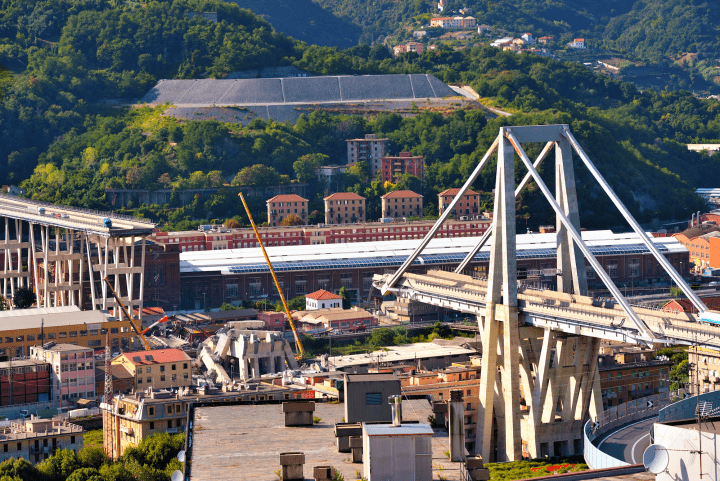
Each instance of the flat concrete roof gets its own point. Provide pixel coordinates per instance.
(33, 320)
(244, 442)
(37, 311)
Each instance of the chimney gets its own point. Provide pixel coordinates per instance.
(456, 414)
(395, 403)
(692, 221)
(698, 217)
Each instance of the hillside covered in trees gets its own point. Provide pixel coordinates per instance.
(661, 33)
(65, 143)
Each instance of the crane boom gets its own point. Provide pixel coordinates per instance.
(301, 351)
(127, 314)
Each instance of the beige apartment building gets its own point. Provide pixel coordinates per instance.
(21, 329)
(344, 208)
(402, 203)
(281, 206)
(158, 369)
(144, 413)
(370, 149)
(38, 439)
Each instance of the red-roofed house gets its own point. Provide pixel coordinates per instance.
(344, 208)
(402, 203)
(577, 43)
(468, 205)
(322, 299)
(159, 369)
(282, 206)
(684, 305)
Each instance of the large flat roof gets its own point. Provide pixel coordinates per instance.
(38, 311)
(58, 319)
(393, 253)
(244, 442)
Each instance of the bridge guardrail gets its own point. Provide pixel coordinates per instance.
(614, 418)
(685, 408)
(594, 458)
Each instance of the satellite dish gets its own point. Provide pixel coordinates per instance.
(181, 456)
(655, 458)
(177, 475)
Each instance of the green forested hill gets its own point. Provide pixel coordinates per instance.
(305, 20)
(68, 56)
(660, 29)
(65, 144)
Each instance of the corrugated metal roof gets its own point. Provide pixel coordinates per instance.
(393, 253)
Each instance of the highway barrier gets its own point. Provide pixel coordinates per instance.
(614, 418)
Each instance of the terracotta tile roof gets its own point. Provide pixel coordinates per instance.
(455, 190)
(150, 311)
(344, 196)
(400, 193)
(159, 356)
(713, 303)
(287, 198)
(322, 295)
(699, 230)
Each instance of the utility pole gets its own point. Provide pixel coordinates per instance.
(697, 386)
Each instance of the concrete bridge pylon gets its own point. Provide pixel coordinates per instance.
(538, 385)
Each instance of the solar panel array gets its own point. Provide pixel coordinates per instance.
(425, 259)
(296, 90)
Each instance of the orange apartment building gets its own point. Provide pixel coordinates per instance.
(701, 241)
(394, 167)
(402, 203)
(344, 208)
(281, 206)
(468, 206)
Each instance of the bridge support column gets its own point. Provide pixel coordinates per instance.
(501, 307)
(572, 277)
(560, 379)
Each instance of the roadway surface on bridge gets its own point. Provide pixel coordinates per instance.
(90, 221)
(628, 442)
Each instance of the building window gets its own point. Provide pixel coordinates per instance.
(323, 282)
(346, 280)
(162, 378)
(255, 284)
(152, 425)
(151, 411)
(73, 333)
(300, 285)
(612, 268)
(367, 281)
(231, 290)
(373, 399)
(634, 267)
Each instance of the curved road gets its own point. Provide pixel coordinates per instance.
(629, 442)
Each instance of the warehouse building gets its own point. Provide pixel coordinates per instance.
(20, 329)
(217, 277)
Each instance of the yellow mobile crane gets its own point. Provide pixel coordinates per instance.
(127, 314)
(301, 351)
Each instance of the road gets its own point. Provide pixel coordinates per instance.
(629, 442)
